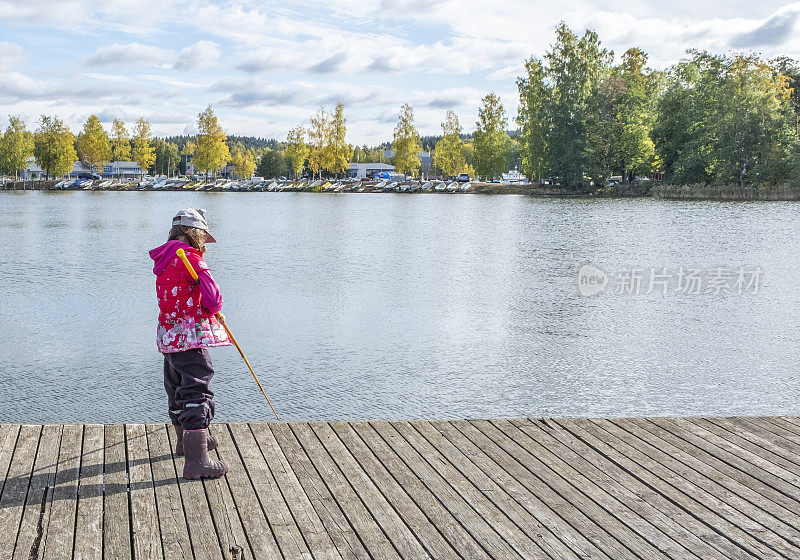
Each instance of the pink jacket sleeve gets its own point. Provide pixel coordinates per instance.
(210, 298)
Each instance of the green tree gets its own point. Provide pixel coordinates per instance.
(167, 157)
(120, 142)
(296, 150)
(406, 144)
(680, 127)
(16, 146)
(94, 148)
(575, 69)
(212, 152)
(319, 135)
(143, 152)
(449, 152)
(631, 147)
(338, 156)
(726, 119)
(273, 164)
(754, 130)
(491, 139)
(188, 148)
(533, 119)
(54, 147)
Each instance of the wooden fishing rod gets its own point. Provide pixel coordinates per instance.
(182, 256)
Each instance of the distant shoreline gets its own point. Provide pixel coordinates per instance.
(657, 191)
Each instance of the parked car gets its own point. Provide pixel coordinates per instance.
(463, 178)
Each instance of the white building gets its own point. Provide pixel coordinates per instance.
(114, 169)
(362, 170)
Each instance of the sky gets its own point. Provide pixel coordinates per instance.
(266, 67)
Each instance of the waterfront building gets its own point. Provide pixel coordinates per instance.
(425, 160)
(112, 170)
(362, 170)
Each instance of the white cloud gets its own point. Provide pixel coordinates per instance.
(194, 56)
(12, 55)
(135, 17)
(129, 54)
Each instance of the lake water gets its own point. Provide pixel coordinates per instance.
(404, 306)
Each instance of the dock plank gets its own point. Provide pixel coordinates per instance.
(620, 520)
(174, 531)
(330, 514)
(788, 430)
(553, 491)
(630, 488)
(683, 487)
(496, 489)
(89, 516)
(764, 435)
(382, 511)
(287, 534)
(223, 508)
(308, 522)
(416, 520)
(144, 517)
(768, 459)
(459, 535)
(752, 484)
(260, 537)
(116, 513)
(61, 526)
(624, 487)
(468, 507)
(200, 522)
(700, 519)
(721, 485)
(372, 536)
(36, 517)
(765, 529)
(8, 440)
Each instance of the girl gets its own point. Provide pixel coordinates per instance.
(187, 326)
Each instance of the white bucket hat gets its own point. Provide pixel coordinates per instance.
(195, 218)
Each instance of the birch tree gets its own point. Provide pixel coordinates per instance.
(54, 147)
(448, 154)
(143, 152)
(296, 150)
(491, 139)
(120, 142)
(16, 146)
(94, 148)
(406, 144)
(212, 152)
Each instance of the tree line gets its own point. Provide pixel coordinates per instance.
(709, 119)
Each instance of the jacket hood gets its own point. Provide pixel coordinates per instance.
(163, 255)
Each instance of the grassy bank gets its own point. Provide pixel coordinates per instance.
(726, 192)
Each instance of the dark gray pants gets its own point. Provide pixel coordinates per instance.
(187, 376)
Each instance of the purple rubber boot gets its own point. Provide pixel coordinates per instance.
(212, 441)
(198, 464)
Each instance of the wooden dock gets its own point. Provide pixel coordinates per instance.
(505, 489)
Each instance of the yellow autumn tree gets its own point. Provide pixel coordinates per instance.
(143, 152)
(211, 152)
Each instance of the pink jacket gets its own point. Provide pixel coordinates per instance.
(187, 307)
